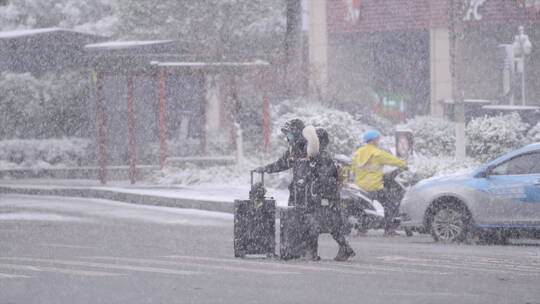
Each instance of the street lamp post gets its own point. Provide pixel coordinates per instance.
(522, 47)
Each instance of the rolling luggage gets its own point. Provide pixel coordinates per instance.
(292, 233)
(254, 222)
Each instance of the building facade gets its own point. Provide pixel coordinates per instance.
(396, 54)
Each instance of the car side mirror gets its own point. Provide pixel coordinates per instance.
(485, 173)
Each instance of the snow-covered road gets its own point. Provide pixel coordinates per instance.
(54, 208)
(73, 250)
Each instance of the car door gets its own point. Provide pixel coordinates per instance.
(514, 188)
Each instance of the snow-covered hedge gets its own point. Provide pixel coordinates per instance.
(93, 16)
(534, 134)
(344, 130)
(47, 107)
(345, 135)
(490, 137)
(432, 136)
(425, 167)
(32, 153)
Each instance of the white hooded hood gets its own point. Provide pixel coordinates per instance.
(310, 134)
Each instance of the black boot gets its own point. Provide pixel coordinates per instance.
(344, 253)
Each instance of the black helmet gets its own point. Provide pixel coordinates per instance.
(324, 140)
(294, 127)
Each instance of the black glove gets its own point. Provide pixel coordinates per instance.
(260, 169)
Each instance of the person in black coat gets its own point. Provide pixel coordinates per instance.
(326, 199)
(303, 147)
(295, 158)
(314, 186)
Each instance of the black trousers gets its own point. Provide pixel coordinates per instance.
(391, 208)
(324, 220)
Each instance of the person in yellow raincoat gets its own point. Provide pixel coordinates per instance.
(367, 165)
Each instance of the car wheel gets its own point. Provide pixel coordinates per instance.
(450, 223)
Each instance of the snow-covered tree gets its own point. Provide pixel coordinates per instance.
(66, 104)
(54, 106)
(217, 26)
(96, 16)
(21, 109)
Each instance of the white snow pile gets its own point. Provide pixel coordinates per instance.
(37, 153)
(490, 137)
(426, 166)
(487, 137)
(191, 174)
(432, 136)
(533, 134)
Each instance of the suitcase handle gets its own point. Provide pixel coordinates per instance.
(262, 178)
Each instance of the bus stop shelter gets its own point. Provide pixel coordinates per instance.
(156, 103)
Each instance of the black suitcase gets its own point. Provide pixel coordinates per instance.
(292, 232)
(254, 222)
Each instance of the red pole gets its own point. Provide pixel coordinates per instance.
(131, 133)
(203, 113)
(162, 119)
(233, 109)
(266, 113)
(102, 136)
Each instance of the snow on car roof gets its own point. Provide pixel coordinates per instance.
(124, 44)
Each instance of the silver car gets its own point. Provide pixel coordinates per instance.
(496, 201)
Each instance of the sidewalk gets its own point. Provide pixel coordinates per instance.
(210, 197)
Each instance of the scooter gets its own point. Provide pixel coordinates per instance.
(362, 213)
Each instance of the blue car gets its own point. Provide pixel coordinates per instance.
(501, 199)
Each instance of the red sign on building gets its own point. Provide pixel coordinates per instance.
(352, 16)
(352, 11)
(532, 6)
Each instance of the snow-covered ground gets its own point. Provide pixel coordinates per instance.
(62, 209)
(207, 192)
(215, 192)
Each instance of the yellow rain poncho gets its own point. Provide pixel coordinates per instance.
(367, 165)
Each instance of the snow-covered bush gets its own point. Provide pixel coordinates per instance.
(91, 16)
(490, 137)
(344, 130)
(432, 136)
(252, 26)
(190, 174)
(66, 105)
(21, 110)
(425, 167)
(52, 106)
(534, 134)
(32, 153)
